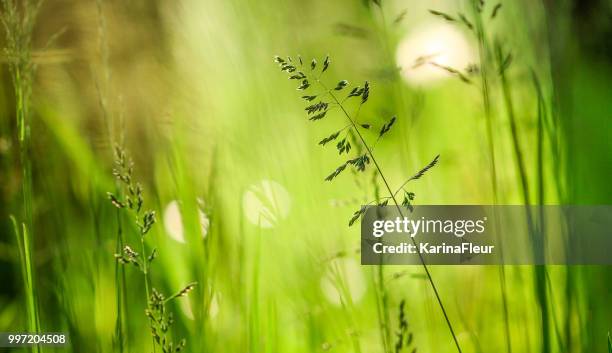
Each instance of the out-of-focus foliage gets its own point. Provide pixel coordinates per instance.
(229, 161)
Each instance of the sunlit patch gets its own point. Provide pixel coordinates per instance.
(343, 281)
(185, 306)
(440, 44)
(5, 145)
(173, 221)
(213, 307)
(266, 203)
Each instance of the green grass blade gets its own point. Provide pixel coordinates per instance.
(25, 256)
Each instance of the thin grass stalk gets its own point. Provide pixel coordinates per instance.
(509, 105)
(381, 303)
(381, 294)
(18, 22)
(160, 320)
(393, 198)
(555, 322)
(25, 256)
(559, 131)
(540, 270)
(384, 302)
(382, 297)
(541, 116)
(101, 88)
(376, 276)
(254, 317)
(395, 95)
(242, 291)
(145, 271)
(541, 111)
(120, 290)
(31, 291)
(20, 249)
(34, 325)
(28, 225)
(483, 53)
(384, 317)
(569, 307)
(209, 260)
(338, 276)
(546, 126)
(540, 278)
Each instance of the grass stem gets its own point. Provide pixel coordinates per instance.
(18, 22)
(386, 183)
(483, 52)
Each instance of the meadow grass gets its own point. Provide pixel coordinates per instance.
(132, 201)
(478, 29)
(318, 111)
(102, 81)
(18, 22)
(206, 83)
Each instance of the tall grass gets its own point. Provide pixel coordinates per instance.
(536, 234)
(25, 255)
(395, 96)
(486, 68)
(102, 81)
(131, 200)
(18, 21)
(207, 80)
(330, 99)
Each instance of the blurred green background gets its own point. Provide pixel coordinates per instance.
(230, 163)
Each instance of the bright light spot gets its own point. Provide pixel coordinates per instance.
(342, 280)
(173, 221)
(266, 203)
(441, 44)
(185, 306)
(213, 308)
